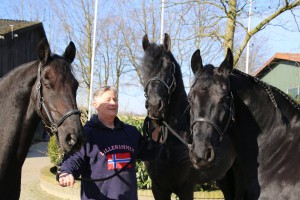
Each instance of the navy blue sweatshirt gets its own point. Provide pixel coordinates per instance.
(105, 151)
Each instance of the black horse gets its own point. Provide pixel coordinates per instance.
(40, 90)
(166, 102)
(261, 121)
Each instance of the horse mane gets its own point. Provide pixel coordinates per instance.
(178, 71)
(269, 89)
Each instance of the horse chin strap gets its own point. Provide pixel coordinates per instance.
(41, 105)
(164, 130)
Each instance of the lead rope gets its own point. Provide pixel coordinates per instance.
(117, 172)
(176, 135)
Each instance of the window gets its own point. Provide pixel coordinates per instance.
(294, 92)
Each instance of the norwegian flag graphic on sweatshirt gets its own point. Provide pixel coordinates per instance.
(118, 160)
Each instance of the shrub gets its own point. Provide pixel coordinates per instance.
(53, 151)
(84, 116)
(206, 187)
(143, 179)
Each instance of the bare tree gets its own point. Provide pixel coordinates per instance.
(232, 15)
(76, 18)
(136, 21)
(134, 24)
(75, 23)
(257, 55)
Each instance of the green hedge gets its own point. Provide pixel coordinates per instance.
(53, 151)
(143, 179)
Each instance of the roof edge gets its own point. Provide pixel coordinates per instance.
(279, 56)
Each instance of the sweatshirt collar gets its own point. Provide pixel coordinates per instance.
(117, 122)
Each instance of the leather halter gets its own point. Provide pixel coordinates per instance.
(170, 88)
(41, 104)
(230, 109)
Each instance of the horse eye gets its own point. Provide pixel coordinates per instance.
(48, 86)
(225, 100)
(189, 99)
(169, 81)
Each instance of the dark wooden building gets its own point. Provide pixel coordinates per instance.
(18, 43)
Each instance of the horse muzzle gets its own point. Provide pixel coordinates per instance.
(202, 158)
(156, 110)
(70, 135)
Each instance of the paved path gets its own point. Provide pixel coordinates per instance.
(30, 187)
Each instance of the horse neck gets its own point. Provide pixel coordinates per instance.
(266, 128)
(265, 106)
(16, 89)
(178, 113)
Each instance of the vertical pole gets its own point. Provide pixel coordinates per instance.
(248, 44)
(12, 31)
(93, 60)
(162, 21)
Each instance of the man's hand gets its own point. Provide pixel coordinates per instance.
(66, 179)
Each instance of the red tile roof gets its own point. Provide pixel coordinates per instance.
(277, 57)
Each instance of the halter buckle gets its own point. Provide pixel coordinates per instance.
(38, 85)
(53, 128)
(40, 103)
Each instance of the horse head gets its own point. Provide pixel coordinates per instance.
(54, 95)
(159, 70)
(212, 108)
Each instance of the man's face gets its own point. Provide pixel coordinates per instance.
(106, 104)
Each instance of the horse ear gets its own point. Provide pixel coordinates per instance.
(145, 42)
(196, 61)
(167, 42)
(43, 51)
(70, 52)
(227, 65)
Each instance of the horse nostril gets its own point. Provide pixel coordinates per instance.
(210, 154)
(70, 141)
(198, 160)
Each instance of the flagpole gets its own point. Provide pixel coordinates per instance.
(248, 44)
(93, 60)
(162, 21)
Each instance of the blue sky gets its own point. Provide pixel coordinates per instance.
(132, 99)
(281, 40)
